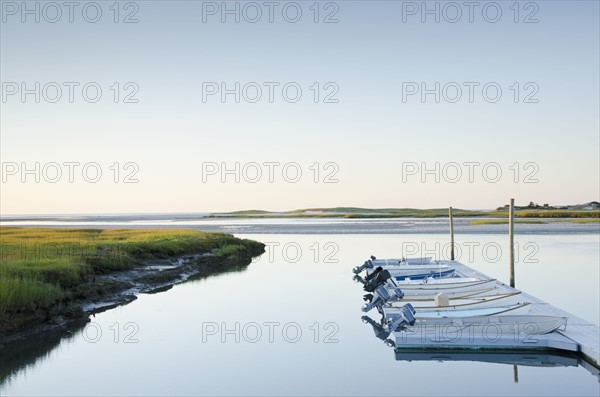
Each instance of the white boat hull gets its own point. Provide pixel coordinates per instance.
(517, 309)
(398, 261)
(434, 283)
(418, 272)
(430, 295)
(500, 326)
(432, 290)
(463, 302)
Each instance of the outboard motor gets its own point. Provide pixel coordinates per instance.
(404, 318)
(376, 279)
(383, 278)
(374, 273)
(367, 265)
(382, 296)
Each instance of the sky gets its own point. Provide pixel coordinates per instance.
(156, 106)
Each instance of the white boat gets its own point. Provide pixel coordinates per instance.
(405, 261)
(519, 308)
(416, 272)
(449, 281)
(412, 295)
(402, 268)
(439, 283)
(466, 302)
(449, 289)
(391, 295)
(521, 326)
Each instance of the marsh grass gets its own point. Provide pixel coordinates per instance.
(549, 214)
(19, 293)
(38, 266)
(584, 220)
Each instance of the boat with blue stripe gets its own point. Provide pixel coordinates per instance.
(401, 270)
(437, 273)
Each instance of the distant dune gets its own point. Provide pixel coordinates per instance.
(533, 210)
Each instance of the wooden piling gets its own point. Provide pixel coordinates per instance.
(451, 233)
(511, 241)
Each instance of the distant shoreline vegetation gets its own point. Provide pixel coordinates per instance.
(533, 211)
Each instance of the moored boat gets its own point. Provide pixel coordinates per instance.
(465, 302)
(419, 266)
(453, 311)
(417, 272)
(517, 325)
(441, 283)
(431, 294)
(400, 261)
(430, 290)
(449, 281)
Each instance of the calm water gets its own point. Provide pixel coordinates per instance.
(290, 324)
(462, 225)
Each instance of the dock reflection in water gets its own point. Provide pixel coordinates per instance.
(509, 357)
(172, 358)
(21, 354)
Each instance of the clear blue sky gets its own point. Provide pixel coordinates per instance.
(378, 140)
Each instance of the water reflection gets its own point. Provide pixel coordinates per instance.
(514, 358)
(174, 356)
(529, 359)
(379, 329)
(18, 355)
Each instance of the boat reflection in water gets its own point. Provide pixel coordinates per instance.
(380, 330)
(533, 358)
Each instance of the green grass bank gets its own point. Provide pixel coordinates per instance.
(46, 272)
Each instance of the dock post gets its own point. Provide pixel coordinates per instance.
(451, 233)
(511, 241)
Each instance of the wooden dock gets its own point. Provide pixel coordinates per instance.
(579, 336)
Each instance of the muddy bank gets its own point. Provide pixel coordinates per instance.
(105, 291)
